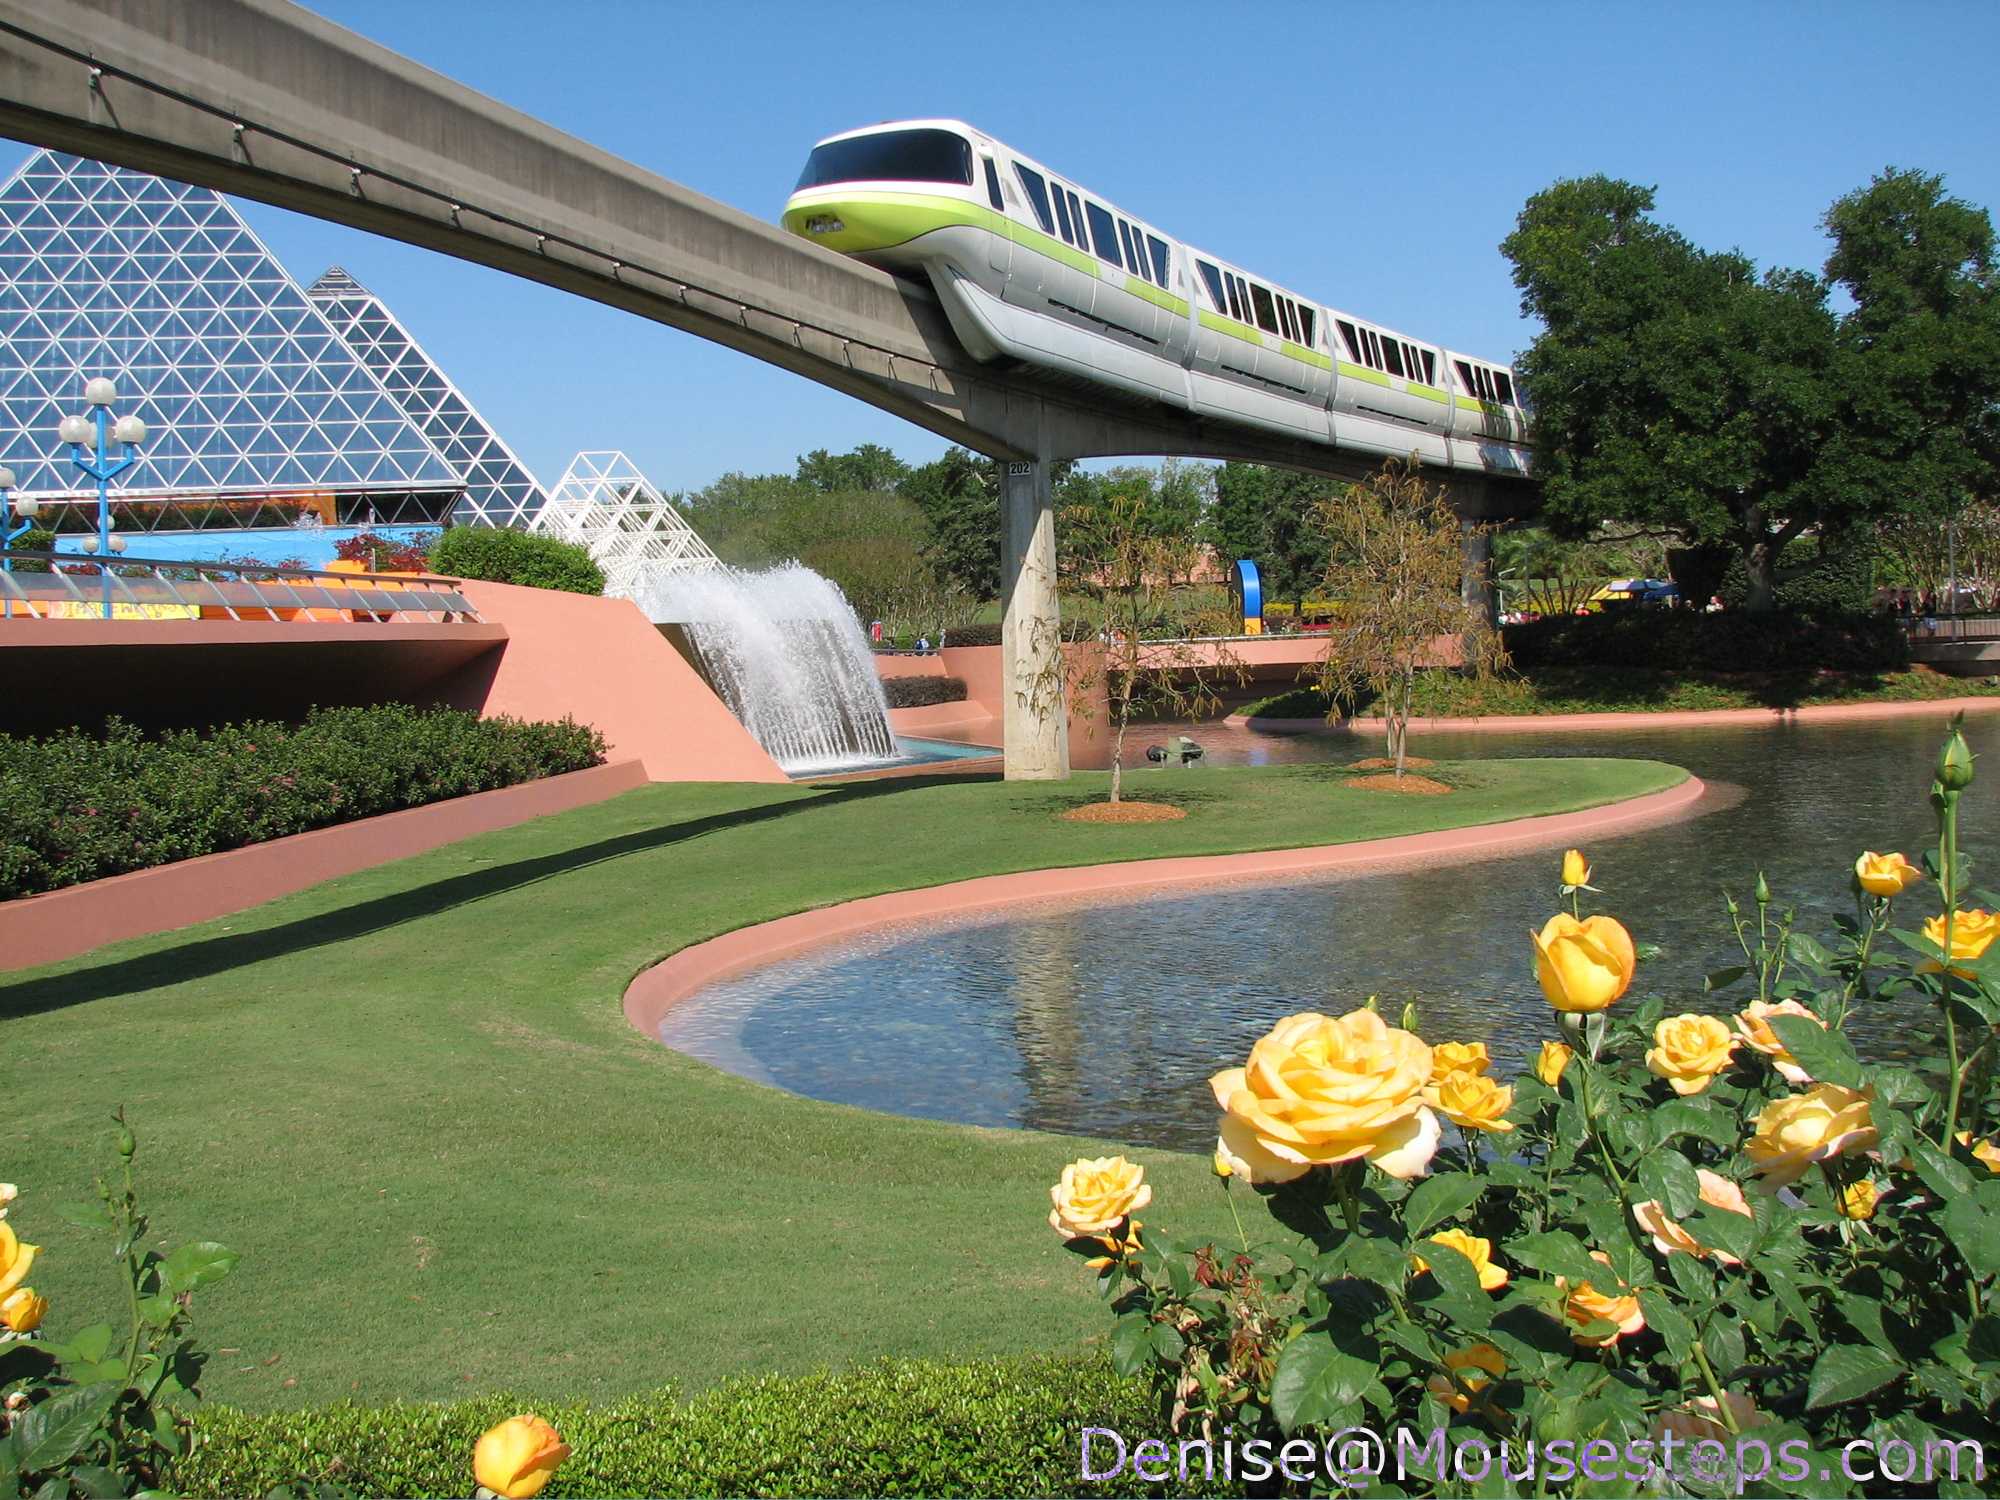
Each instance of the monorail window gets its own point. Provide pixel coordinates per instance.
(1465, 377)
(1038, 195)
(892, 156)
(1286, 321)
(1103, 233)
(1235, 299)
(1267, 311)
(1351, 338)
(1062, 217)
(1076, 218)
(1392, 353)
(1374, 342)
(993, 185)
(1430, 367)
(1125, 243)
(1160, 260)
(1306, 324)
(1504, 386)
(1213, 279)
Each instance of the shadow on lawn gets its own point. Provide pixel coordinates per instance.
(200, 957)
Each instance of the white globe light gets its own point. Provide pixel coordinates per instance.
(90, 544)
(129, 430)
(27, 507)
(76, 430)
(100, 392)
(117, 544)
(6, 479)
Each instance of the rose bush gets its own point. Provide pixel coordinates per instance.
(1713, 1238)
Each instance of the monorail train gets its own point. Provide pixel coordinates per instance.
(1030, 266)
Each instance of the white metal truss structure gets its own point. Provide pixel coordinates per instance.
(499, 489)
(632, 531)
(251, 399)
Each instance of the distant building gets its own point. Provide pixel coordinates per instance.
(277, 420)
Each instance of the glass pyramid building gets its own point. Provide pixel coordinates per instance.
(499, 490)
(259, 412)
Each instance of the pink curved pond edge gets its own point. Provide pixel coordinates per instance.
(1673, 718)
(666, 984)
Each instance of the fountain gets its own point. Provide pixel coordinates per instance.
(784, 650)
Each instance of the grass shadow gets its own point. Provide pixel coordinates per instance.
(202, 956)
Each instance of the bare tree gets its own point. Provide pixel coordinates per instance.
(1125, 573)
(1393, 568)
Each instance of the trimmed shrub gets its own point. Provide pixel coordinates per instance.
(1839, 577)
(922, 692)
(498, 554)
(987, 633)
(1698, 571)
(34, 539)
(901, 1427)
(77, 806)
(1684, 640)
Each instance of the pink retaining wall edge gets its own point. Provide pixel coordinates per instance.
(658, 989)
(60, 924)
(1672, 718)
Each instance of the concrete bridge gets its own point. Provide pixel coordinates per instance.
(265, 100)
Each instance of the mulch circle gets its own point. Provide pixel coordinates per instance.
(1409, 786)
(1123, 812)
(1387, 763)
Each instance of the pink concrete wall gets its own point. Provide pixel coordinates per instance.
(602, 663)
(929, 665)
(60, 924)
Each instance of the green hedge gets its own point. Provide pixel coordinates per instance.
(922, 692)
(901, 1427)
(1686, 640)
(77, 806)
(500, 555)
(1839, 577)
(34, 539)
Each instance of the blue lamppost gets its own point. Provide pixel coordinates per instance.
(9, 532)
(99, 430)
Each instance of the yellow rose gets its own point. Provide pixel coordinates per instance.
(1885, 874)
(1972, 933)
(1468, 1372)
(1472, 1102)
(1858, 1199)
(1318, 1091)
(1753, 1025)
(1583, 966)
(1576, 869)
(1096, 1195)
(1584, 1304)
(1220, 1165)
(516, 1457)
(1554, 1058)
(21, 1310)
(16, 1259)
(1792, 1133)
(1125, 1248)
(1701, 1420)
(1983, 1151)
(1448, 1058)
(1480, 1252)
(1688, 1051)
(1670, 1237)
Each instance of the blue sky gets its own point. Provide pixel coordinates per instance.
(1371, 157)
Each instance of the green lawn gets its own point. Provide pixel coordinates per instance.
(411, 1100)
(1591, 690)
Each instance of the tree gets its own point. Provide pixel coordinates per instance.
(1393, 566)
(1124, 570)
(1671, 386)
(1268, 516)
(959, 495)
(1920, 351)
(870, 468)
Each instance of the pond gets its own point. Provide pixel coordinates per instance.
(1108, 1019)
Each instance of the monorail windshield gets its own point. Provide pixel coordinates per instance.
(891, 156)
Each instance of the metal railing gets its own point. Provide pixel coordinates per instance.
(1967, 627)
(162, 588)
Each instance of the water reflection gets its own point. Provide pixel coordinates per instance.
(1108, 1019)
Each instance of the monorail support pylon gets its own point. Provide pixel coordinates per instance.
(1034, 716)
